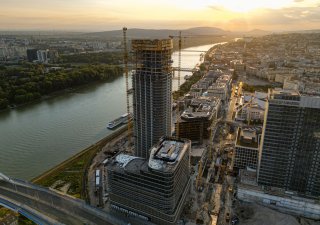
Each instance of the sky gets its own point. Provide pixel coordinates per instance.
(101, 15)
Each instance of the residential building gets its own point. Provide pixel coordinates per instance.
(43, 56)
(218, 90)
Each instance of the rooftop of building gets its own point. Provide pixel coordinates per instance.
(151, 45)
(248, 176)
(217, 86)
(247, 137)
(189, 115)
(280, 91)
(294, 98)
(164, 157)
(204, 104)
(200, 108)
(258, 100)
(224, 78)
(197, 152)
(261, 95)
(214, 73)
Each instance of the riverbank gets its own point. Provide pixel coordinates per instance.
(29, 82)
(73, 171)
(60, 93)
(41, 135)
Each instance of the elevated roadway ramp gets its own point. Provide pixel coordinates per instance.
(45, 206)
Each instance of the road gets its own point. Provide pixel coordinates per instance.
(45, 203)
(234, 100)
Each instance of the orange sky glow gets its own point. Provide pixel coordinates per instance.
(98, 15)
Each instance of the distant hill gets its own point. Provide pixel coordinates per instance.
(205, 31)
(254, 33)
(302, 31)
(158, 33)
(258, 32)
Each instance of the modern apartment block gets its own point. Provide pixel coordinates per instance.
(290, 156)
(154, 189)
(152, 85)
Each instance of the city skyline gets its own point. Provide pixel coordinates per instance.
(97, 15)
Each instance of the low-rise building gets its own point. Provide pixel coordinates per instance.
(225, 79)
(252, 107)
(218, 90)
(246, 149)
(194, 122)
(251, 71)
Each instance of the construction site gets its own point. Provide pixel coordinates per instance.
(199, 119)
(209, 115)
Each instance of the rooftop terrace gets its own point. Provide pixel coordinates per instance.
(247, 137)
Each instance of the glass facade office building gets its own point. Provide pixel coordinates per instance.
(290, 156)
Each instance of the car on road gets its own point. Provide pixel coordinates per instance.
(235, 220)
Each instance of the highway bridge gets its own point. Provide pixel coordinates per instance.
(45, 206)
(184, 69)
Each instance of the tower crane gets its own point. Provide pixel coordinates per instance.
(179, 71)
(126, 71)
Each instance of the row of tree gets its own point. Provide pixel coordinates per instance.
(29, 82)
(186, 86)
(100, 57)
(253, 88)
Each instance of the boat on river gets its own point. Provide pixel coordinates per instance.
(124, 119)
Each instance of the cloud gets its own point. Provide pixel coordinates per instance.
(62, 21)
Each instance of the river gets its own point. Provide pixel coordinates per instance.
(38, 136)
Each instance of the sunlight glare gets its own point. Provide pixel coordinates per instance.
(243, 6)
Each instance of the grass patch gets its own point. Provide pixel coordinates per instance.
(79, 165)
(3, 212)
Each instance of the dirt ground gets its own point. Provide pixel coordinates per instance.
(253, 214)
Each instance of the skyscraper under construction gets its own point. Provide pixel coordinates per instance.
(153, 184)
(152, 84)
